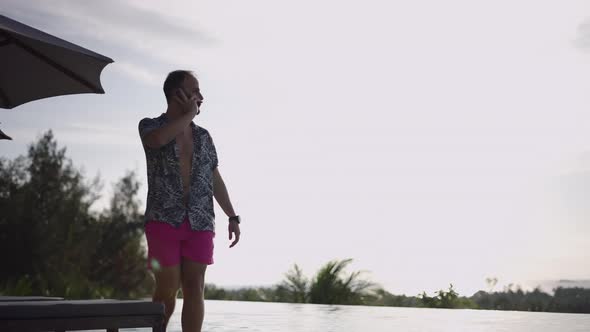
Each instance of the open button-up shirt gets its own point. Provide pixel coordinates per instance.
(165, 192)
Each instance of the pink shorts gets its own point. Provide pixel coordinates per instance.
(167, 245)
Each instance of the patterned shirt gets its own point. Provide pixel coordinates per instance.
(165, 191)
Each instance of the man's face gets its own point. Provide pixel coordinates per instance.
(191, 88)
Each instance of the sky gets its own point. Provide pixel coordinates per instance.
(433, 142)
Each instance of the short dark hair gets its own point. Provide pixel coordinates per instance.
(174, 81)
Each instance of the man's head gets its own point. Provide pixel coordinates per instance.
(184, 80)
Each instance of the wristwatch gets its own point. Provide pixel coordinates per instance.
(235, 218)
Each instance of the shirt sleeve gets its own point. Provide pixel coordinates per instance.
(213, 153)
(145, 126)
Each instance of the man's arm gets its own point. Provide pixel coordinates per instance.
(222, 197)
(163, 135)
(221, 194)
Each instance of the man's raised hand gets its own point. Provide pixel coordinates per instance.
(187, 104)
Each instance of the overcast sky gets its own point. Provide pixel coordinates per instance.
(433, 142)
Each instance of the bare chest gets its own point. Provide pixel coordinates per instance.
(185, 149)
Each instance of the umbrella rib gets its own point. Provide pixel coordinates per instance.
(3, 97)
(54, 64)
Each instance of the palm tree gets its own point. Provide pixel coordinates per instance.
(330, 287)
(294, 286)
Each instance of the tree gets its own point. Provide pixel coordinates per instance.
(443, 299)
(45, 205)
(491, 282)
(381, 297)
(51, 243)
(294, 287)
(574, 299)
(329, 286)
(121, 270)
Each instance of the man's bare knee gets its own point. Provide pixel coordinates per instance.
(165, 294)
(194, 285)
(193, 278)
(167, 283)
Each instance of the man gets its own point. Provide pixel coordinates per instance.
(183, 178)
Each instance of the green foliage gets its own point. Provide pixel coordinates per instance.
(491, 282)
(52, 244)
(257, 294)
(294, 288)
(575, 300)
(330, 286)
(381, 297)
(443, 299)
(212, 292)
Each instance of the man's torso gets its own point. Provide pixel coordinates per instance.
(180, 176)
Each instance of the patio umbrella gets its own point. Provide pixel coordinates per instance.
(35, 65)
(4, 136)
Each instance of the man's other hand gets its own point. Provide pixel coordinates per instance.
(234, 232)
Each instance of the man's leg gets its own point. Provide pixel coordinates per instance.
(167, 284)
(193, 292)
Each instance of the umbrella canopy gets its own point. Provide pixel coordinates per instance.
(4, 136)
(35, 65)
